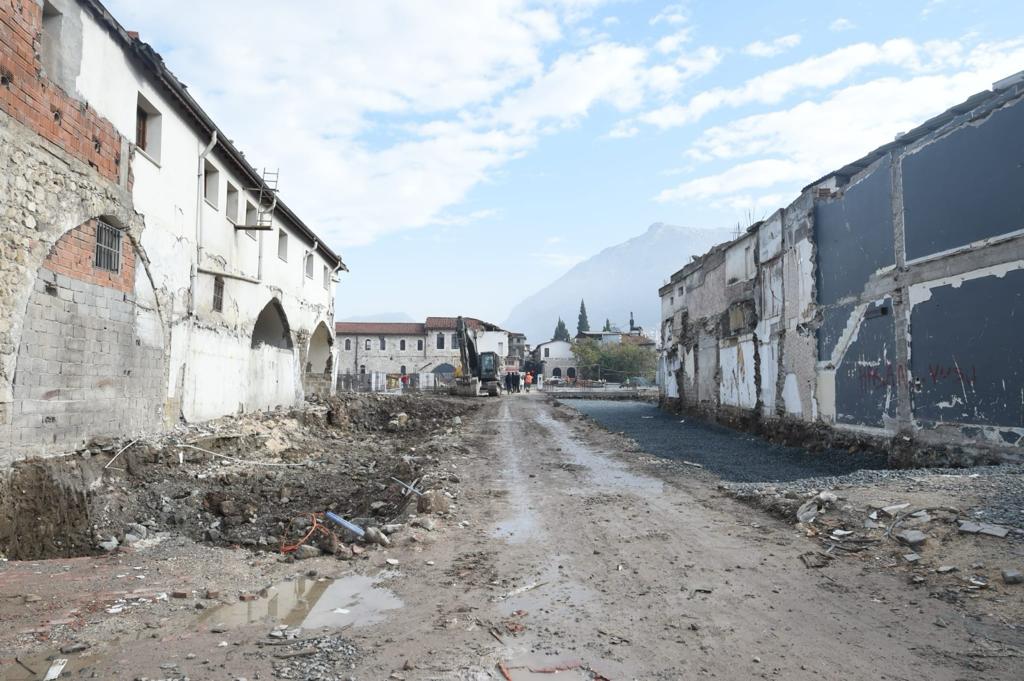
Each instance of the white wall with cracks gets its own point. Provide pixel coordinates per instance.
(208, 319)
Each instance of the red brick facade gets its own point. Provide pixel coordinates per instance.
(74, 256)
(32, 99)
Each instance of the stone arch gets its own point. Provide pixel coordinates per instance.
(556, 372)
(90, 358)
(570, 372)
(444, 369)
(271, 327)
(319, 362)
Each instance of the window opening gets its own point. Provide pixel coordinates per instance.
(401, 346)
(348, 343)
(211, 183)
(282, 245)
(309, 266)
(108, 247)
(440, 341)
(218, 294)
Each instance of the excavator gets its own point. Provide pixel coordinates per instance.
(479, 369)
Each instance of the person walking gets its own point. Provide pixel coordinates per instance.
(528, 379)
(508, 381)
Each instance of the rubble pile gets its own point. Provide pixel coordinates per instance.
(253, 480)
(957, 532)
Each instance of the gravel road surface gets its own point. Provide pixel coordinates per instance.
(734, 456)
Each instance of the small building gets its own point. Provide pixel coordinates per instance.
(401, 348)
(556, 359)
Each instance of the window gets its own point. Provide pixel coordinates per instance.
(455, 342)
(547, 352)
(250, 220)
(309, 265)
(383, 343)
(218, 294)
(362, 368)
(50, 39)
(147, 128)
(282, 245)
(366, 345)
(211, 183)
(419, 345)
(440, 341)
(348, 343)
(401, 346)
(501, 348)
(231, 204)
(402, 370)
(108, 247)
(327, 278)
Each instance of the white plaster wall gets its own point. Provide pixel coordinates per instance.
(559, 350)
(736, 359)
(769, 354)
(167, 193)
(739, 261)
(769, 237)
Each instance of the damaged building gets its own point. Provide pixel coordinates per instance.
(148, 272)
(885, 302)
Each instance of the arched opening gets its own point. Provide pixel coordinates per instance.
(348, 344)
(272, 327)
(570, 372)
(318, 359)
(444, 369)
(402, 370)
(556, 372)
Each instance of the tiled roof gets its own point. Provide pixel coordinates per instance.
(449, 323)
(379, 328)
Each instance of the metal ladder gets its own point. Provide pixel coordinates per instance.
(267, 200)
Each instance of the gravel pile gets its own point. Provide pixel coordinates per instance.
(326, 658)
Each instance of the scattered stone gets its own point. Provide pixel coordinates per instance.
(377, 505)
(432, 502)
(77, 647)
(911, 557)
(391, 561)
(1012, 577)
(374, 536)
(212, 594)
(219, 628)
(427, 524)
(306, 551)
(994, 530)
(32, 598)
(808, 511)
(110, 544)
(391, 528)
(247, 597)
(912, 538)
(943, 569)
(456, 420)
(892, 510)
(131, 538)
(180, 594)
(139, 530)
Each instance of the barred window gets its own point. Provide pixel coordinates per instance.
(108, 247)
(218, 294)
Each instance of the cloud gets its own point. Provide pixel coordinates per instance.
(787, 148)
(460, 220)
(672, 43)
(815, 73)
(841, 24)
(610, 21)
(383, 116)
(670, 14)
(773, 48)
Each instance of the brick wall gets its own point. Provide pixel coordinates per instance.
(90, 363)
(74, 256)
(31, 98)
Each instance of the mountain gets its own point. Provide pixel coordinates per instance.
(620, 279)
(382, 317)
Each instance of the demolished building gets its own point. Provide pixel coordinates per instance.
(886, 301)
(148, 272)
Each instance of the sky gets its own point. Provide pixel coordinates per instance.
(461, 155)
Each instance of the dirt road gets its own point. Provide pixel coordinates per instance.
(647, 578)
(564, 550)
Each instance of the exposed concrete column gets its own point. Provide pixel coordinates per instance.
(900, 298)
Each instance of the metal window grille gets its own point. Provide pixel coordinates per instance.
(108, 247)
(218, 294)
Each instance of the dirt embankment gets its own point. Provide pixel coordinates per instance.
(249, 480)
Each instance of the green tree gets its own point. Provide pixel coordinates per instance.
(607, 325)
(582, 323)
(614, 361)
(561, 332)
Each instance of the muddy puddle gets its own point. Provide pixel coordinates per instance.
(355, 600)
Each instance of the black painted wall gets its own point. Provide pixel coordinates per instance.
(854, 235)
(867, 376)
(966, 352)
(966, 186)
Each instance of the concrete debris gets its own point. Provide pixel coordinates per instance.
(892, 510)
(970, 527)
(109, 545)
(307, 551)
(373, 535)
(428, 524)
(432, 501)
(911, 557)
(912, 538)
(945, 569)
(1012, 577)
(808, 511)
